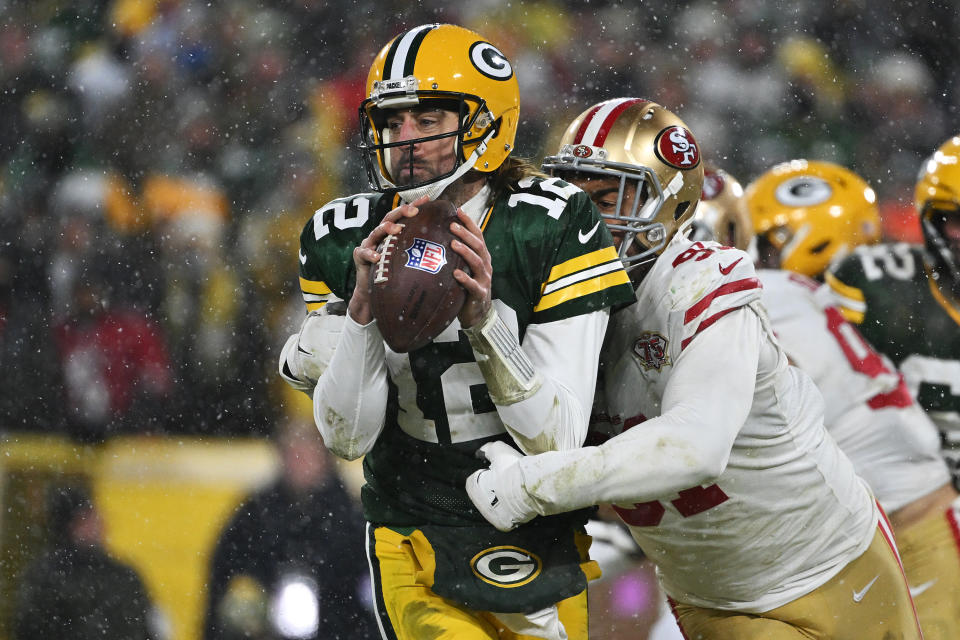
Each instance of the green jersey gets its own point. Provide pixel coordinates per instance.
(552, 258)
(890, 292)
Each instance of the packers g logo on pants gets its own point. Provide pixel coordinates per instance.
(506, 566)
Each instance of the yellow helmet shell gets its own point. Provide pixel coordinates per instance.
(939, 179)
(448, 62)
(813, 213)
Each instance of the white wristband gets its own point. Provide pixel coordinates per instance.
(508, 372)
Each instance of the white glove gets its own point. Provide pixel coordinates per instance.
(544, 623)
(306, 354)
(498, 492)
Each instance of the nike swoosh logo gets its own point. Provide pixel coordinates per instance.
(858, 595)
(726, 270)
(915, 591)
(303, 258)
(584, 237)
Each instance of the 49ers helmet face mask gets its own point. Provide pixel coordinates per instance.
(644, 144)
(448, 67)
(812, 214)
(937, 198)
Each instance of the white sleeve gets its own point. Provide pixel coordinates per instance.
(566, 355)
(686, 446)
(350, 400)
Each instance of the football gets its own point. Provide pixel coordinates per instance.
(413, 293)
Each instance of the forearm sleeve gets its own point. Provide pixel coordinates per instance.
(686, 446)
(566, 356)
(350, 399)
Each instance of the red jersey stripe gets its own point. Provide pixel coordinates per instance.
(730, 287)
(706, 323)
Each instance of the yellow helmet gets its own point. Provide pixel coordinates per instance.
(447, 63)
(812, 213)
(722, 213)
(638, 140)
(937, 197)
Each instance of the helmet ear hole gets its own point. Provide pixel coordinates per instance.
(820, 248)
(681, 209)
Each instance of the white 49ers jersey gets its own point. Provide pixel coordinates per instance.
(869, 411)
(723, 470)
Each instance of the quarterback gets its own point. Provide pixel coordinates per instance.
(440, 118)
(722, 467)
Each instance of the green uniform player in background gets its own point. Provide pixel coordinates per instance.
(906, 299)
(519, 364)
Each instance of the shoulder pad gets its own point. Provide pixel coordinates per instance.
(702, 271)
(552, 195)
(341, 214)
(705, 281)
(327, 242)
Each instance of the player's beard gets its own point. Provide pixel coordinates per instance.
(404, 176)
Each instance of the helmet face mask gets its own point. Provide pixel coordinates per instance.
(654, 157)
(379, 150)
(446, 67)
(639, 197)
(943, 246)
(937, 198)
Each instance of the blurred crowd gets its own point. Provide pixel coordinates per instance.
(158, 159)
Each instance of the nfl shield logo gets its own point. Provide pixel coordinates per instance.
(426, 256)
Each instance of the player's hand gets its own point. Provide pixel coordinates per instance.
(366, 255)
(498, 492)
(473, 249)
(307, 353)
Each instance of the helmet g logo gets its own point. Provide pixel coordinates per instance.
(677, 148)
(803, 191)
(506, 566)
(489, 61)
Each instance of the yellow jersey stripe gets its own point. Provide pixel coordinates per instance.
(313, 306)
(856, 317)
(485, 218)
(844, 290)
(582, 262)
(314, 286)
(584, 288)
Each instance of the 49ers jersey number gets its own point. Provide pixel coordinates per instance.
(691, 502)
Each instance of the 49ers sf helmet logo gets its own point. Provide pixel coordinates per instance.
(651, 349)
(582, 151)
(676, 147)
(506, 566)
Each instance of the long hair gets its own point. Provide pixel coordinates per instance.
(512, 171)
